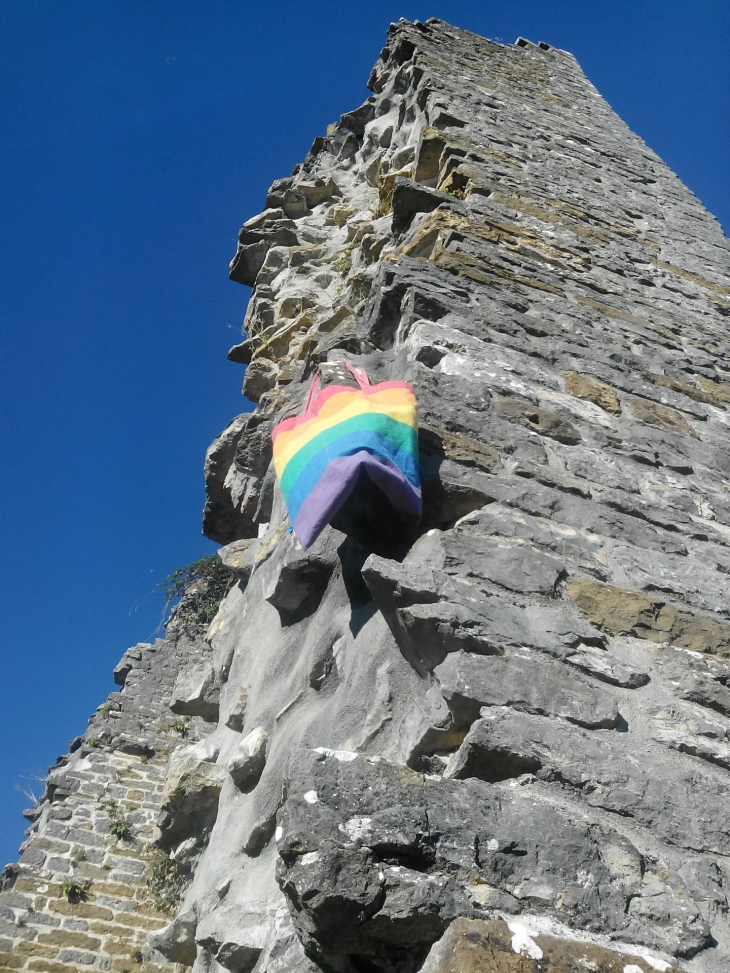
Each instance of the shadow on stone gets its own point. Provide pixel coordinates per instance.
(352, 557)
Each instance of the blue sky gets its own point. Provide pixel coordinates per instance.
(136, 138)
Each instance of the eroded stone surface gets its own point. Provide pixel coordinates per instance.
(477, 945)
(402, 854)
(564, 337)
(501, 732)
(671, 799)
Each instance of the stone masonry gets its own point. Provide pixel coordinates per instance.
(114, 775)
(501, 740)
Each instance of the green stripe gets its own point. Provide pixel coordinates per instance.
(400, 434)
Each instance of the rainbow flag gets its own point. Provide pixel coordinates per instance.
(343, 431)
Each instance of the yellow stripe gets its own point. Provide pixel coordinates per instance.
(343, 406)
(390, 401)
(289, 444)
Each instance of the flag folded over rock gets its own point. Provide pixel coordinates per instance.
(346, 433)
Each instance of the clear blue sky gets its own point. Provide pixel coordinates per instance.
(136, 137)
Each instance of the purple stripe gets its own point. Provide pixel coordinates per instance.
(337, 483)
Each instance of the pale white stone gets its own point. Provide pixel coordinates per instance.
(344, 756)
(356, 828)
(522, 942)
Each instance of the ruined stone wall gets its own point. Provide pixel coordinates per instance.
(82, 896)
(514, 724)
(502, 740)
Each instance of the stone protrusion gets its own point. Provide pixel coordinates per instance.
(522, 682)
(197, 692)
(408, 853)
(667, 797)
(237, 704)
(247, 763)
(176, 941)
(189, 800)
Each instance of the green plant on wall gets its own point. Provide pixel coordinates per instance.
(120, 828)
(200, 586)
(181, 727)
(343, 263)
(165, 880)
(75, 889)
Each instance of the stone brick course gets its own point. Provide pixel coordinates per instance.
(115, 772)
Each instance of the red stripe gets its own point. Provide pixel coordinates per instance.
(287, 424)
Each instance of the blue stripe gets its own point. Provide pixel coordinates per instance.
(372, 442)
(401, 434)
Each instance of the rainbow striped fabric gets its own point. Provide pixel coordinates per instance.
(343, 431)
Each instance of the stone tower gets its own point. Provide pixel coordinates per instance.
(501, 741)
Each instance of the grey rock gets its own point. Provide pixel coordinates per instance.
(237, 709)
(698, 681)
(434, 838)
(176, 940)
(241, 353)
(189, 800)
(128, 661)
(284, 952)
(197, 692)
(261, 375)
(699, 734)
(706, 883)
(236, 951)
(255, 239)
(469, 682)
(410, 198)
(247, 763)
(239, 557)
(666, 796)
(221, 520)
(300, 579)
(427, 628)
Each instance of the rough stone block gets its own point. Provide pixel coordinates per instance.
(477, 945)
(522, 682)
(237, 702)
(665, 796)
(590, 389)
(176, 940)
(345, 818)
(196, 692)
(623, 612)
(247, 763)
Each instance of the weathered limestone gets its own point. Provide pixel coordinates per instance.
(500, 739)
(247, 763)
(475, 945)
(549, 647)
